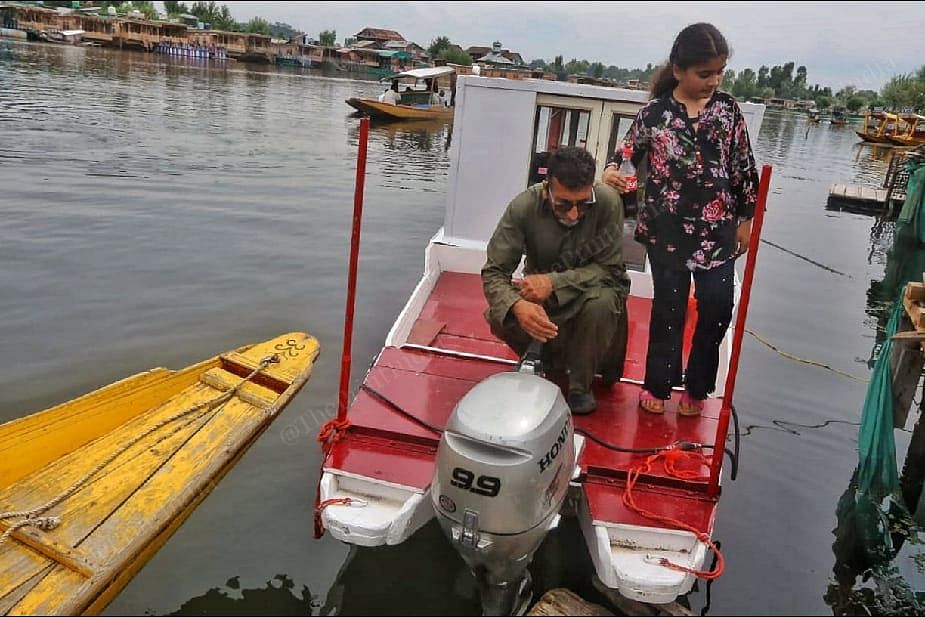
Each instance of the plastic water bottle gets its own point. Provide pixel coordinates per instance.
(628, 170)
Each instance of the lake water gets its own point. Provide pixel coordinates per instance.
(154, 213)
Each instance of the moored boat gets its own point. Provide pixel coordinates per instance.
(64, 37)
(879, 126)
(92, 488)
(388, 462)
(910, 130)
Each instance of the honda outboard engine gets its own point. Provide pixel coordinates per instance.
(503, 469)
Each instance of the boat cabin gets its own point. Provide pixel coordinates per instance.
(420, 86)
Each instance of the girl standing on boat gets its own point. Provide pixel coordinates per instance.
(700, 196)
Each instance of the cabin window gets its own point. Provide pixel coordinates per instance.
(560, 126)
(618, 127)
(555, 127)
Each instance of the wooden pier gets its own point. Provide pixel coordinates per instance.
(561, 601)
(865, 196)
(864, 199)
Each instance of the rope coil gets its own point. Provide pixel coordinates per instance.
(672, 458)
(31, 518)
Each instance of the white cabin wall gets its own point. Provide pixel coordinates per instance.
(481, 187)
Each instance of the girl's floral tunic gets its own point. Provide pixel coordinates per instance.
(700, 183)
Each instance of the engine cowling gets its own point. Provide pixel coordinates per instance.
(503, 470)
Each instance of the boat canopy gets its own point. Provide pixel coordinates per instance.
(437, 71)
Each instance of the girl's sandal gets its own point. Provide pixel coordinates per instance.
(649, 402)
(690, 406)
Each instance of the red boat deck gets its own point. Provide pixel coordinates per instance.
(409, 390)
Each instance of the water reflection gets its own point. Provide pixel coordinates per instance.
(276, 598)
(421, 576)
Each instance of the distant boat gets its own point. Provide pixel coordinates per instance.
(839, 118)
(418, 98)
(910, 130)
(813, 115)
(127, 464)
(879, 126)
(64, 37)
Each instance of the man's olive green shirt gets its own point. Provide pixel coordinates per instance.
(580, 259)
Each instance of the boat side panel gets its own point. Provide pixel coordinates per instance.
(32, 442)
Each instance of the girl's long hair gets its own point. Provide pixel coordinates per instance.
(696, 44)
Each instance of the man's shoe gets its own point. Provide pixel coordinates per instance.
(581, 403)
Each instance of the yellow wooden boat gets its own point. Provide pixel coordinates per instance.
(92, 488)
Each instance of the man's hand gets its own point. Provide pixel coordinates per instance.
(535, 288)
(534, 321)
(743, 234)
(614, 178)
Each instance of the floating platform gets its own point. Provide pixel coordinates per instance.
(858, 198)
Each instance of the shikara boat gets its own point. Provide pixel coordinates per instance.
(911, 130)
(879, 127)
(90, 489)
(416, 98)
(387, 111)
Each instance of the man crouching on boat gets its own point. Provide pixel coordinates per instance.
(573, 293)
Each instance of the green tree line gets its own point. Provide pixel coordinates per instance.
(786, 81)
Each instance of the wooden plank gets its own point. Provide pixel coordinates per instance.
(18, 564)
(46, 598)
(561, 601)
(88, 508)
(13, 597)
(40, 542)
(32, 442)
(295, 350)
(45, 484)
(424, 331)
(907, 362)
(250, 393)
(84, 511)
(134, 525)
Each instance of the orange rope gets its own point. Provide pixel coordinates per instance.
(671, 459)
(337, 501)
(331, 432)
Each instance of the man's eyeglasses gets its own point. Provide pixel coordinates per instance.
(564, 206)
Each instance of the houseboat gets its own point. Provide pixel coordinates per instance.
(400, 454)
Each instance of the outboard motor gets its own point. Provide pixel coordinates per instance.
(503, 469)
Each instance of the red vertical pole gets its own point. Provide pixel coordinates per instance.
(739, 331)
(352, 273)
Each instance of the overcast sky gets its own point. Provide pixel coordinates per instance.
(840, 43)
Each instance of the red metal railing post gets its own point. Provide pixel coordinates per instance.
(344, 391)
(738, 332)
